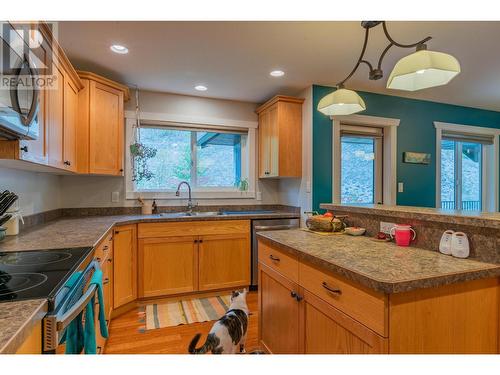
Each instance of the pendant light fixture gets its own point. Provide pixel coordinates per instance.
(420, 70)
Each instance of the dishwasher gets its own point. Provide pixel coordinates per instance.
(265, 225)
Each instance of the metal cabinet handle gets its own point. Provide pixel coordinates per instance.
(110, 260)
(106, 247)
(106, 280)
(294, 294)
(274, 227)
(24, 148)
(330, 289)
(98, 259)
(273, 258)
(67, 162)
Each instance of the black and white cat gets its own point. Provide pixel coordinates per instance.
(229, 333)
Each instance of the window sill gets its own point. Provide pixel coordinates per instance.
(196, 195)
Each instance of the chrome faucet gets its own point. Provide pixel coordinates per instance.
(190, 205)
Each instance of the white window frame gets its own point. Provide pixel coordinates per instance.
(490, 155)
(157, 120)
(389, 154)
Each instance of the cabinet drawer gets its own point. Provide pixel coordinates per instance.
(285, 264)
(193, 228)
(364, 305)
(104, 249)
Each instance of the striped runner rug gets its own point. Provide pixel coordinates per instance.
(186, 311)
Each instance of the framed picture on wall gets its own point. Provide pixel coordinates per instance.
(416, 158)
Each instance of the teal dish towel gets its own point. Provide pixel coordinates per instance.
(82, 337)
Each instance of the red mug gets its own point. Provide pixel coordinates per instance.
(403, 233)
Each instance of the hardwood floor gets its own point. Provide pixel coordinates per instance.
(125, 336)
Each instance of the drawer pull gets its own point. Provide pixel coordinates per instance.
(105, 248)
(106, 280)
(98, 259)
(293, 294)
(273, 258)
(336, 291)
(110, 260)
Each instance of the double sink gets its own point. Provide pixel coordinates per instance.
(214, 213)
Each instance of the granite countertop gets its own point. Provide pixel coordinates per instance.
(476, 218)
(90, 230)
(17, 319)
(381, 266)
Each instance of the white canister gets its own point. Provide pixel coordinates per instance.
(147, 208)
(12, 226)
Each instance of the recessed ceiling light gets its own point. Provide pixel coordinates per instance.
(277, 73)
(117, 48)
(201, 88)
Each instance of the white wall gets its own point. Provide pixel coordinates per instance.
(298, 191)
(84, 191)
(37, 192)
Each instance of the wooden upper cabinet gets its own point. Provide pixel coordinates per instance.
(70, 123)
(280, 137)
(124, 265)
(101, 125)
(55, 119)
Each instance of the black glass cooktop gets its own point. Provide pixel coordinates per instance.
(37, 274)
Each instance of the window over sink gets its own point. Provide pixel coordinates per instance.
(215, 162)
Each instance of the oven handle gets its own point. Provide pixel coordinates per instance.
(65, 319)
(274, 227)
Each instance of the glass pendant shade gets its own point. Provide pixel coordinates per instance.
(423, 69)
(341, 102)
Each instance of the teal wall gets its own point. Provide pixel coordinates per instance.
(416, 133)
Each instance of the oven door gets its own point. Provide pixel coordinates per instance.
(77, 298)
(19, 92)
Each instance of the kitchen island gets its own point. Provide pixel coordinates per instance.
(344, 294)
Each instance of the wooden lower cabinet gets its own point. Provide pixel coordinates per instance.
(337, 316)
(278, 313)
(33, 343)
(327, 330)
(224, 261)
(211, 256)
(124, 265)
(167, 266)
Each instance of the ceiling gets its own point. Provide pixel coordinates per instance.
(233, 59)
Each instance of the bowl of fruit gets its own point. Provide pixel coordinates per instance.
(325, 223)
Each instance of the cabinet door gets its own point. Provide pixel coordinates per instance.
(167, 266)
(56, 120)
(125, 265)
(106, 130)
(329, 331)
(36, 150)
(278, 313)
(273, 142)
(70, 123)
(264, 144)
(224, 261)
